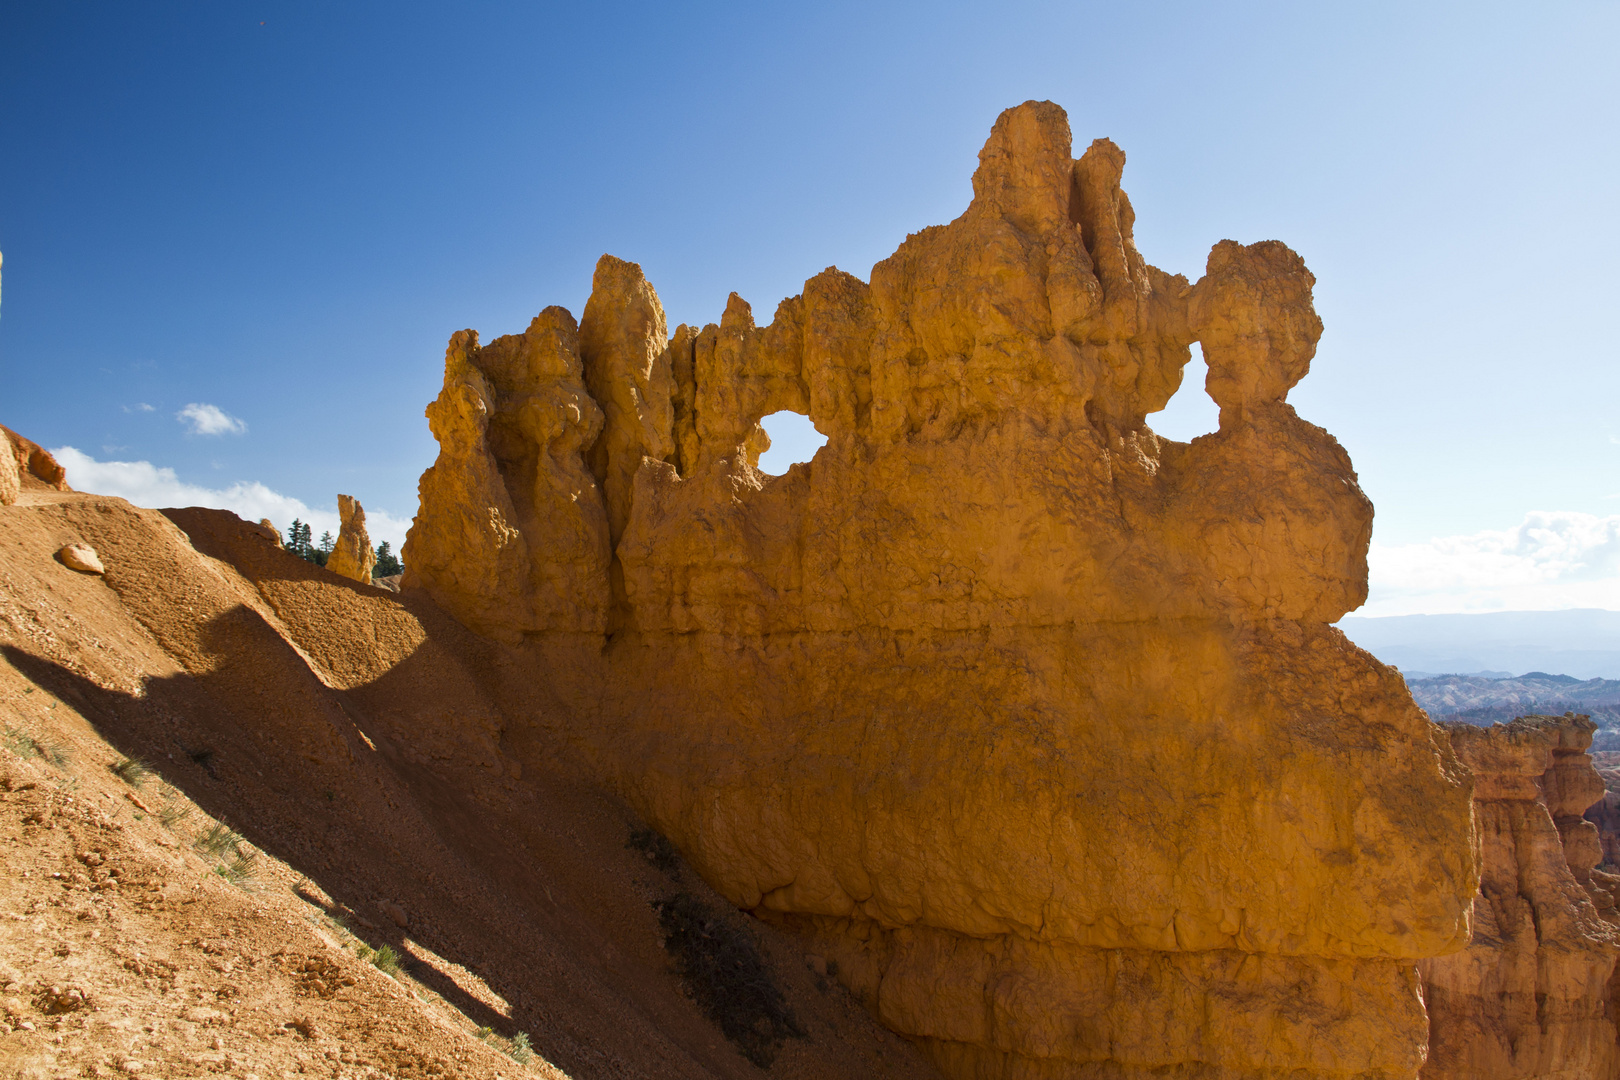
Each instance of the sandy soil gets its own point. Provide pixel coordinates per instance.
(335, 769)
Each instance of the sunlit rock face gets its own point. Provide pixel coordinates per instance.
(1531, 996)
(1032, 720)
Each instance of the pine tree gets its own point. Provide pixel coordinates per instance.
(324, 552)
(298, 542)
(388, 563)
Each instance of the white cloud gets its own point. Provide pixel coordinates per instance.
(139, 407)
(1551, 560)
(210, 420)
(145, 484)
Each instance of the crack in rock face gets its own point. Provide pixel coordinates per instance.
(1033, 721)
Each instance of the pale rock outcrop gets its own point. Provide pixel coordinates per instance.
(1532, 994)
(37, 467)
(1033, 720)
(271, 533)
(10, 471)
(352, 555)
(81, 557)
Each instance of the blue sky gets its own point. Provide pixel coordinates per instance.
(282, 210)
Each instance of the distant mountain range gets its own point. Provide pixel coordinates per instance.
(1489, 668)
(1480, 700)
(1583, 643)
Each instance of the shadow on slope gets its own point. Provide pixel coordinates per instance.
(346, 731)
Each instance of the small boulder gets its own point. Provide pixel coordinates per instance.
(81, 557)
(396, 913)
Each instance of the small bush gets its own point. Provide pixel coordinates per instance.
(726, 976)
(386, 961)
(659, 851)
(218, 841)
(132, 771)
(521, 1051)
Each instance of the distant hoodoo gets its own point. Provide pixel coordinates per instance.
(352, 556)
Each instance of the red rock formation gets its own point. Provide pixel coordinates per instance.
(1531, 995)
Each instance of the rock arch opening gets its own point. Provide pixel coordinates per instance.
(1191, 412)
(794, 439)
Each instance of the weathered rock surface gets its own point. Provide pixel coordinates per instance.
(81, 557)
(37, 467)
(10, 473)
(1605, 813)
(1031, 719)
(352, 556)
(1531, 996)
(517, 537)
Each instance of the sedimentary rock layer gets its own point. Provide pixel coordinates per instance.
(1034, 719)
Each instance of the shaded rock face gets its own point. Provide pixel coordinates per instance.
(352, 555)
(1031, 719)
(1531, 995)
(37, 468)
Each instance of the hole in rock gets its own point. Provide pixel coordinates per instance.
(1191, 411)
(793, 439)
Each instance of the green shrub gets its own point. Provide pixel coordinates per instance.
(386, 960)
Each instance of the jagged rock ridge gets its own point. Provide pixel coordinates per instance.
(1033, 720)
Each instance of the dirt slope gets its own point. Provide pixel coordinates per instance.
(350, 736)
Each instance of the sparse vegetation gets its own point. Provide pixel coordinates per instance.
(171, 814)
(521, 1052)
(386, 960)
(659, 851)
(721, 967)
(132, 771)
(26, 746)
(218, 841)
(242, 871)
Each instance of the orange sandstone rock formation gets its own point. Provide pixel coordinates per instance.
(1531, 995)
(1033, 720)
(352, 556)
